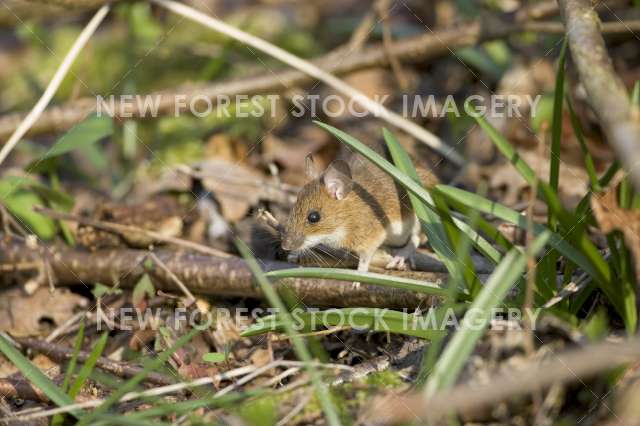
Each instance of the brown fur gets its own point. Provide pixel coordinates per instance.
(366, 214)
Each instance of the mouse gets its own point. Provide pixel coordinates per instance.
(355, 206)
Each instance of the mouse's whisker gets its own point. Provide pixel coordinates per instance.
(327, 253)
(319, 259)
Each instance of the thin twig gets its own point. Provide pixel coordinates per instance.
(179, 283)
(64, 327)
(567, 367)
(130, 229)
(606, 93)
(280, 377)
(268, 219)
(362, 32)
(296, 410)
(387, 42)
(55, 82)
(273, 364)
(61, 354)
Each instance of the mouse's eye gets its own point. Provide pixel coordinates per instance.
(314, 217)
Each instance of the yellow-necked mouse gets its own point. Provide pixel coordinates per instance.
(355, 206)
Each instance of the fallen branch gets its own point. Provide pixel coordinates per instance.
(208, 275)
(21, 388)
(609, 28)
(61, 118)
(606, 92)
(75, 4)
(60, 353)
(374, 365)
(121, 229)
(567, 367)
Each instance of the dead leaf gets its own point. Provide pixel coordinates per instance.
(573, 183)
(223, 147)
(50, 368)
(7, 368)
(261, 357)
(23, 315)
(376, 83)
(161, 214)
(612, 217)
(233, 185)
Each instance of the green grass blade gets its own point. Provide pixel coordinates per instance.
(556, 124)
(122, 420)
(582, 252)
(298, 343)
(500, 211)
(442, 232)
(459, 349)
(89, 365)
(486, 228)
(351, 275)
(376, 319)
(588, 159)
(89, 131)
(546, 279)
(598, 267)
(167, 408)
(483, 246)
(77, 346)
(132, 383)
(35, 376)
(609, 173)
(430, 356)
(525, 170)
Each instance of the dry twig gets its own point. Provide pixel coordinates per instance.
(130, 229)
(571, 366)
(210, 275)
(606, 92)
(62, 353)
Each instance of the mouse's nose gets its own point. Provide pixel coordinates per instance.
(291, 242)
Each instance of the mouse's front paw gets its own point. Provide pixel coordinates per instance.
(398, 263)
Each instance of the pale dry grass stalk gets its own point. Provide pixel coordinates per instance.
(55, 82)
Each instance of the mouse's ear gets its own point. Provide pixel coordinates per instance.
(337, 179)
(310, 167)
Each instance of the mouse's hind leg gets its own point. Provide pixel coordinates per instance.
(404, 257)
